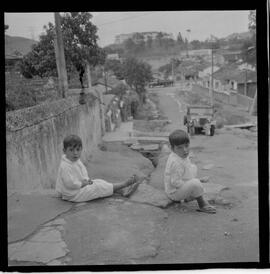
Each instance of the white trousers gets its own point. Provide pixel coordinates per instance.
(191, 189)
(98, 189)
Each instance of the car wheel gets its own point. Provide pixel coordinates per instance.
(185, 120)
(212, 130)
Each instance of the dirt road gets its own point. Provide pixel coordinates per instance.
(232, 234)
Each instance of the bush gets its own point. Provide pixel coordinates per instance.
(119, 90)
(23, 93)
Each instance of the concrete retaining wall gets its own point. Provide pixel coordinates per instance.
(34, 138)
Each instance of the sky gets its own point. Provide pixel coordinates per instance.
(201, 23)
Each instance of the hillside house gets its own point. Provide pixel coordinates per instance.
(119, 39)
(205, 74)
(113, 56)
(189, 70)
(108, 83)
(230, 56)
(231, 79)
(11, 60)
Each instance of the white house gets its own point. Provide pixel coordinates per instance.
(205, 75)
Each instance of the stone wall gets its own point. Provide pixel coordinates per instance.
(34, 139)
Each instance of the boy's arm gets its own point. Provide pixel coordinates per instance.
(85, 181)
(177, 172)
(69, 180)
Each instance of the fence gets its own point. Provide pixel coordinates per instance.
(230, 98)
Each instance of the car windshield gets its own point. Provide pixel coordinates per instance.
(201, 111)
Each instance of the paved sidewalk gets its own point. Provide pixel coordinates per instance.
(123, 133)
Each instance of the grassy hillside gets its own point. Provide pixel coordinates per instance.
(19, 44)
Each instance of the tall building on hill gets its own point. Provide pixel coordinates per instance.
(119, 39)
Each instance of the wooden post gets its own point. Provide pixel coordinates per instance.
(253, 108)
(60, 56)
(88, 73)
(172, 71)
(246, 82)
(105, 80)
(211, 84)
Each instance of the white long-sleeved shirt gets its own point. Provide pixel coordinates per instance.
(177, 172)
(69, 177)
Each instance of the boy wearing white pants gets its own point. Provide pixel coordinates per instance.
(180, 174)
(73, 183)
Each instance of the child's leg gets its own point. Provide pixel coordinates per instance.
(204, 205)
(189, 191)
(201, 201)
(193, 190)
(119, 186)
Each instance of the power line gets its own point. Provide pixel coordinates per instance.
(127, 18)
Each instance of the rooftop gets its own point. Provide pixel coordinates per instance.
(231, 72)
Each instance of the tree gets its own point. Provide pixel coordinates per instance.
(196, 44)
(252, 21)
(159, 38)
(180, 39)
(137, 75)
(119, 90)
(249, 47)
(80, 39)
(130, 45)
(149, 42)
(116, 67)
(40, 61)
(168, 43)
(80, 44)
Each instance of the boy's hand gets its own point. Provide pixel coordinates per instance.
(86, 182)
(204, 179)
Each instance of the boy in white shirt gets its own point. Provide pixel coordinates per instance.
(73, 183)
(180, 174)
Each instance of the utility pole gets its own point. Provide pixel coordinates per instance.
(188, 31)
(245, 81)
(172, 71)
(88, 73)
(60, 56)
(253, 109)
(105, 75)
(212, 84)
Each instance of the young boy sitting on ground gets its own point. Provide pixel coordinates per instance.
(73, 183)
(180, 174)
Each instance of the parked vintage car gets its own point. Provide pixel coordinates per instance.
(200, 119)
(161, 83)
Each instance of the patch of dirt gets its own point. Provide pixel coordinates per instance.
(150, 125)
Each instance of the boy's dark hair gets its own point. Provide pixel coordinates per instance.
(72, 141)
(178, 137)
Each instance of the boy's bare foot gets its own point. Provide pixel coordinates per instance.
(207, 209)
(131, 180)
(134, 182)
(204, 179)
